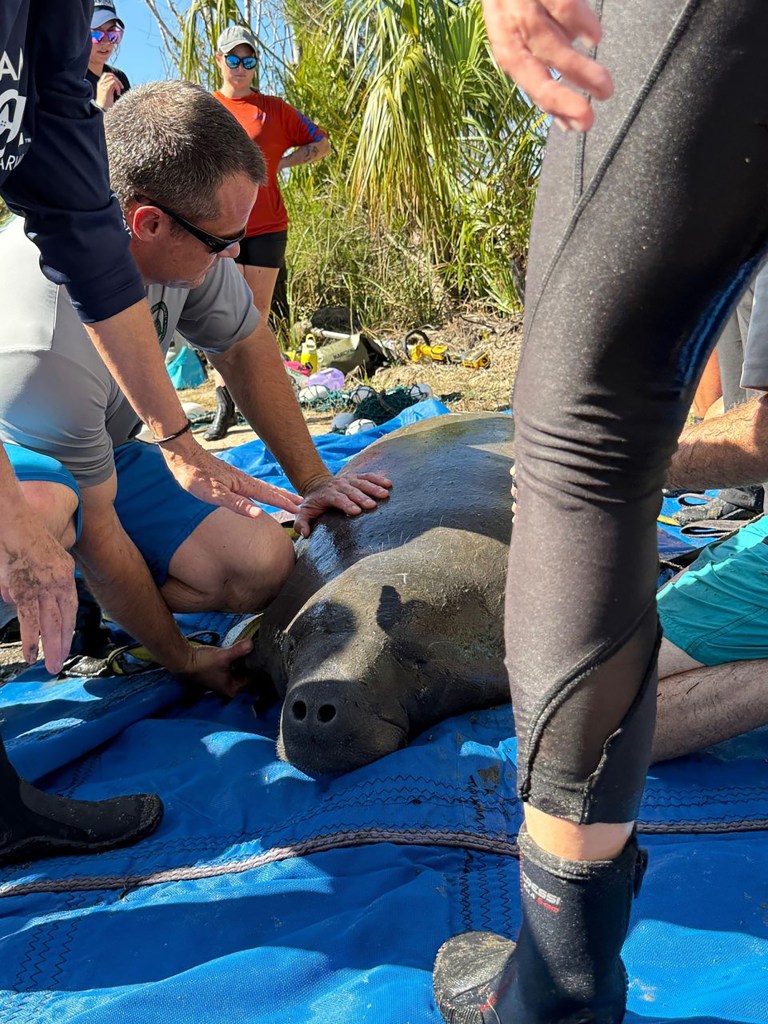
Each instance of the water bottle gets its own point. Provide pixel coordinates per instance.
(309, 353)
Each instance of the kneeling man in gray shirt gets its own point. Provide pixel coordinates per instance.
(186, 176)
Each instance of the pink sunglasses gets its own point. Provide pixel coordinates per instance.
(112, 35)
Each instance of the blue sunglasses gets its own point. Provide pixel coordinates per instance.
(249, 63)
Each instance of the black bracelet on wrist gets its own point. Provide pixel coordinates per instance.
(172, 437)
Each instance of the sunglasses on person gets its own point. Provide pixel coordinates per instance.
(233, 62)
(214, 243)
(112, 35)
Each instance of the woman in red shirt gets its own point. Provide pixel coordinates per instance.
(275, 126)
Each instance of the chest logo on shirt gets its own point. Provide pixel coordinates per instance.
(160, 316)
(11, 113)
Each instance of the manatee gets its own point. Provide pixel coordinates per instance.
(392, 620)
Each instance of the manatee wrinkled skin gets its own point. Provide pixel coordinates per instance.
(393, 620)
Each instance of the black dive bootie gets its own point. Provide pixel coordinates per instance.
(226, 416)
(35, 824)
(565, 967)
(91, 638)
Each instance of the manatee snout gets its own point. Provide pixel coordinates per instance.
(332, 726)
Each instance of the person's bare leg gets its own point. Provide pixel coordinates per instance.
(716, 409)
(261, 281)
(707, 705)
(55, 505)
(710, 389)
(229, 563)
(576, 842)
(673, 660)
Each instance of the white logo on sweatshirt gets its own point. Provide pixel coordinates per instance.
(12, 107)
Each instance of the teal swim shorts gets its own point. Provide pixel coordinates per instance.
(717, 609)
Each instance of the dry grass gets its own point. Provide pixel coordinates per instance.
(467, 389)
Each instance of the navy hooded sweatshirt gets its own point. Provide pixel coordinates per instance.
(53, 164)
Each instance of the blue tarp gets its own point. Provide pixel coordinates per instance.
(267, 896)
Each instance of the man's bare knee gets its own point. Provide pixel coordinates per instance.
(56, 506)
(250, 589)
(229, 563)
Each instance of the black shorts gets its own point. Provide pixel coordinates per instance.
(263, 250)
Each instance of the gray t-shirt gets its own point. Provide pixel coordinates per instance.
(754, 372)
(56, 395)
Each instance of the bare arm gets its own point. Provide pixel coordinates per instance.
(122, 583)
(36, 574)
(726, 451)
(254, 372)
(128, 345)
(306, 154)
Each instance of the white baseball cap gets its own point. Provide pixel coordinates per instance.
(235, 35)
(104, 11)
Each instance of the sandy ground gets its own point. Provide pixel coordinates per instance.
(461, 388)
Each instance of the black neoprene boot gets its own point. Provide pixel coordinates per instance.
(34, 824)
(91, 638)
(226, 416)
(565, 967)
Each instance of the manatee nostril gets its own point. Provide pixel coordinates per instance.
(326, 713)
(299, 710)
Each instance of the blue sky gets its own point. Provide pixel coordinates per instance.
(141, 50)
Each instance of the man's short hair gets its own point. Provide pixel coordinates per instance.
(172, 142)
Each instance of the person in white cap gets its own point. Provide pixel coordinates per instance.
(108, 83)
(276, 127)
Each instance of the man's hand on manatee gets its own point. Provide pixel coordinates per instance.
(218, 483)
(351, 493)
(216, 668)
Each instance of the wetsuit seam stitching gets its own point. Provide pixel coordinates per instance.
(558, 694)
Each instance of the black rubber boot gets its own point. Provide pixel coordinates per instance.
(34, 824)
(226, 416)
(91, 638)
(565, 967)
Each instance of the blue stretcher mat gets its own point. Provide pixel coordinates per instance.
(267, 896)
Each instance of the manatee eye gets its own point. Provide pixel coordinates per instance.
(299, 710)
(326, 713)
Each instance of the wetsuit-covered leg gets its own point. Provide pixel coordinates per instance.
(645, 233)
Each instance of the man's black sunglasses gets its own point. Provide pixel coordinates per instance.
(215, 243)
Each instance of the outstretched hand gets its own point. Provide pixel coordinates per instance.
(218, 483)
(351, 493)
(37, 575)
(530, 38)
